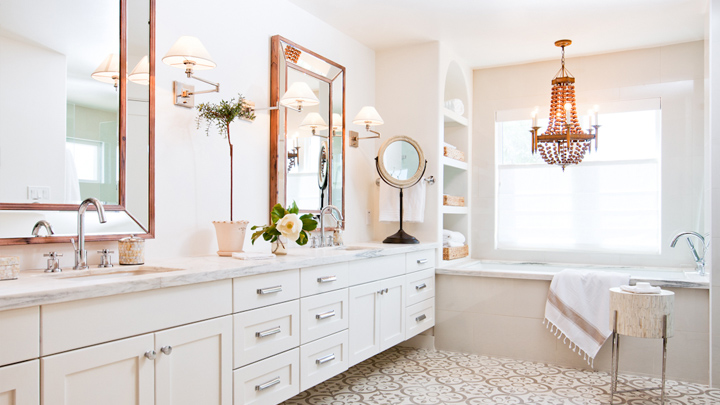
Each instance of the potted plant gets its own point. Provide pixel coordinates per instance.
(287, 225)
(230, 234)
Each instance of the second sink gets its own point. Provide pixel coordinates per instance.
(124, 271)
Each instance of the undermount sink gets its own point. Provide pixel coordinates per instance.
(118, 271)
(353, 248)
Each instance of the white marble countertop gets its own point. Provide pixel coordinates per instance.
(35, 287)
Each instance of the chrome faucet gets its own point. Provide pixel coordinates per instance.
(42, 224)
(699, 260)
(80, 252)
(335, 213)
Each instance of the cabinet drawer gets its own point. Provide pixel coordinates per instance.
(368, 270)
(320, 279)
(265, 289)
(421, 260)
(74, 324)
(263, 332)
(420, 317)
(20, 383)
(19, 335)
(420, 286)
(323, 359)
(270, 381)
(323, 314)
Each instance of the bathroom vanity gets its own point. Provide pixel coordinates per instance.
(209, 329)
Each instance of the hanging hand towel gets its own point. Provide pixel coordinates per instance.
(578, 308)
(413, 203)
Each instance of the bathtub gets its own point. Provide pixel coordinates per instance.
(661, 276)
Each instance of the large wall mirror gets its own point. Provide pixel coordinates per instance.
(76, 117)
(307, 148)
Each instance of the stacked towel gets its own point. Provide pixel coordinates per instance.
(453, 239)
(455, 105)
(578, 308)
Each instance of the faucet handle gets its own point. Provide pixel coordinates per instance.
(53, 263)
(105, 258)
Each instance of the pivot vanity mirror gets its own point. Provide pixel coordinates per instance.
(307, 148)
(76, 117)
(401, 164)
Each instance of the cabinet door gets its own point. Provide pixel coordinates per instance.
(194, 364)
(392, 312)
(364, 322)
(108, 374)
(20, 384)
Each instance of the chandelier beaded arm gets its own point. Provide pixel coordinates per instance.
(564, 141)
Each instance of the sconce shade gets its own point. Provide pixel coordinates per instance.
(368, 116)
(189, 49)
(313, 121)
(109, 69)
(299, 95)
(336, 122)
(141, 72)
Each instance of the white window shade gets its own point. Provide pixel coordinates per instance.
(600, 206)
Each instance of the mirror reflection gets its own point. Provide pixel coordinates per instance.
(401, 160)
(307, 147)
(62, 138)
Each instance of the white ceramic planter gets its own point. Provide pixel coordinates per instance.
(230, 236)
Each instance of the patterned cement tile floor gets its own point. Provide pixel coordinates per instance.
(404, 375)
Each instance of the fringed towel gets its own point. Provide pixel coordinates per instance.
(578, 308)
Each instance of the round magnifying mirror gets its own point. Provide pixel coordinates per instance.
(323, 166)
(401, 161)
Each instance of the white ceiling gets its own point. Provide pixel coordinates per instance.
(502, 32)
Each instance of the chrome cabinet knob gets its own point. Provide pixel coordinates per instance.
(150, 354)
(166, 349)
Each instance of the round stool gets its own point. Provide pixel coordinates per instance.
(643, 316)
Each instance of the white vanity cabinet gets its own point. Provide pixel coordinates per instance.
(20, 384)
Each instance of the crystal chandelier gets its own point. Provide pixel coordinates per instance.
(564, 142)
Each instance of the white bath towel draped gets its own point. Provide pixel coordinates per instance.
(578, 308)
(413, 203)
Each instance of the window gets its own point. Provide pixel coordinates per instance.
(610, 202)
(88, 157)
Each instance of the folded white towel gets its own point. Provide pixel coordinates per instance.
(453, 236)
(578, 307)
(641, 289)
(252, 256)
(449, 243)
(455, 105)
(413, 203)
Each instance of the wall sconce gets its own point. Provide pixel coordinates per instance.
(313, 121)
(299, 95)
(189, 53)
(369, 117)
(109, 70)
(141, 72)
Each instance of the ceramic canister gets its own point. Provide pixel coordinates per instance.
(132, 250)
(9, 267)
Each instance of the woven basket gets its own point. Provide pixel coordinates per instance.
(454, 201)
(453, 153)
(452, 253)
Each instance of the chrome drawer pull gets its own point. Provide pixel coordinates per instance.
(327, 279)
(324, 315)
(420, 318)
(420, 287)
(325, 359)
(274, 381)
(270, 290)
(422, 261)
(268, 332)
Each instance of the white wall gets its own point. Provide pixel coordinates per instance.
(192, 169)
(673, 73)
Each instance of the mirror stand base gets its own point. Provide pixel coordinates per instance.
(401, 237)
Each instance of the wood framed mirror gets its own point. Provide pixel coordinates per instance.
(307, 148)
(77, 117)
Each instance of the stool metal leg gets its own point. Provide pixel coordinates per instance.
(614, 359)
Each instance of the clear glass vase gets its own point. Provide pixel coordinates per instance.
(279, 247)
